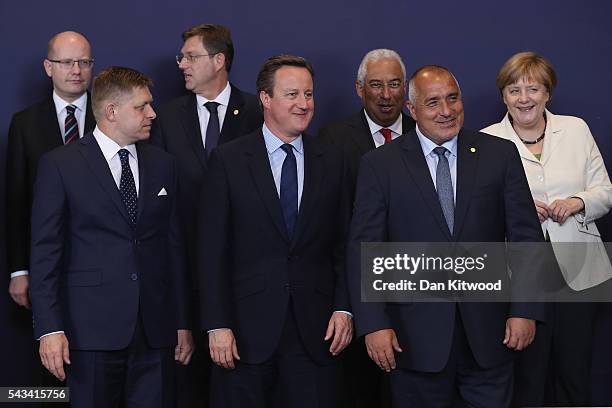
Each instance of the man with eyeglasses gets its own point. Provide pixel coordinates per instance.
(381, 85)
(190, 127)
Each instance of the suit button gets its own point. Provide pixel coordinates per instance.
(136, 242)
(134, 277)
(287, 287)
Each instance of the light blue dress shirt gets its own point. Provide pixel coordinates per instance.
(432, 159)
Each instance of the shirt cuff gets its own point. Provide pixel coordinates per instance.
(23, 272)
(344, 311)
(48, 334)
(220, 328)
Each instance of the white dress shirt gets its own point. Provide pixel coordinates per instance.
(379, 139)
(204, 115)
(79, 112)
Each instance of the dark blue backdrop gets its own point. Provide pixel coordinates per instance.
(473, 38)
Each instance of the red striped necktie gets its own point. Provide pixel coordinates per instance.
(71, 127)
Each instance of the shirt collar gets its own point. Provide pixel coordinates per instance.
(60, 104)
(273, 143)
(221, 99)
(396, 127)
(428, 146)
(110, 148)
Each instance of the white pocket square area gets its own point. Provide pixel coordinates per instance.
(162, 192)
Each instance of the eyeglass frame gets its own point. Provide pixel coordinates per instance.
(82, 63)
(192, 58)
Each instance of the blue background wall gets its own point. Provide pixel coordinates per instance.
(473, 38)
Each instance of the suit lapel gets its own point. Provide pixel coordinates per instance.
(191, 126)
(143, 172)
(90, 120)
(95, 160)
(552, 135)
(417, 167)
(259, 166)
(49, 126)
(467, 166)
(233, 114)
(362, 138)
(313, 177)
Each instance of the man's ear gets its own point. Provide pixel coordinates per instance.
(359, 89)
(265, 99)
(47, 66)
(110, 112)
(411, 109)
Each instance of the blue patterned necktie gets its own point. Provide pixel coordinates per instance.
(213, 130)
(71, 127)
(289, 189)
(444, 186)
(127, 186)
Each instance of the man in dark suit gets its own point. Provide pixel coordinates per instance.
(442, 183)
(189, 127)
(108, 282)
(61, 118)
(381, 85)
(274, 214)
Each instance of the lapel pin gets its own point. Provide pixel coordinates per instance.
(473, 149)
(236, 112)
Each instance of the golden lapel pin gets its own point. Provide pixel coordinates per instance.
(236, 112)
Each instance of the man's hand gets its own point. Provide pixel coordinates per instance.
(184, 347)
(341, 327)
(380, 345)
(223, 350)
(54, 353)
(519, 333)
(18, 289)
(560, 210)
(542, 210)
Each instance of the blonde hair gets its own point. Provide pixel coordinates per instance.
(527, 65)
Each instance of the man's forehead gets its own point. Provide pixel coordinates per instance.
(384, 67)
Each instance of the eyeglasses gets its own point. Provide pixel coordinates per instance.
(191, 58)
(69, 63)
(379, 85)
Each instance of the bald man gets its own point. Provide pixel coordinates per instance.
(62, 117)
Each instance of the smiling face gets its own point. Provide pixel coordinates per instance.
(526, 100)
(383, 91)
(290, 108)
(437, 107)
(133, 116)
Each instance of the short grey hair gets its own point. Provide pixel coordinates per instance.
(377, 55)
(411, 88)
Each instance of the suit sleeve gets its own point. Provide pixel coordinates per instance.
(177, 258)
(367, 225)
(49, 212)
(341, 296)
(17, 200)
(527, 261)
(597, 195)
(214, 255)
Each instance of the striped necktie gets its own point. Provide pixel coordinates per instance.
(71, 127)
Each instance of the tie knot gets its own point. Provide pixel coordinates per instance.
(440, 151)
(70, 109)
(124, 155)
(386, 134)
(211, 106)
(287, 148)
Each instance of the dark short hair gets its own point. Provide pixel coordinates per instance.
(216, 39)
(114, 82)
(265, 78)
(527, 65)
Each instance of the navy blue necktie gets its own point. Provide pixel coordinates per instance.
(444, 186)
(289, 189)
(127, 186)
(213, 130)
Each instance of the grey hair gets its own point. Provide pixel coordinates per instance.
(411, 87)
(377, 55)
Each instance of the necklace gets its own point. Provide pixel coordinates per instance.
(530, 142)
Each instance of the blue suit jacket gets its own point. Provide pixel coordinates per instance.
(396, 201)
(92, 273)
(250, 269)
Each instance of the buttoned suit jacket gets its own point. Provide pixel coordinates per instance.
(33, 132)
(354, 138)
(92, 273)
(250, 269)
(396, 201)
(177, 130)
